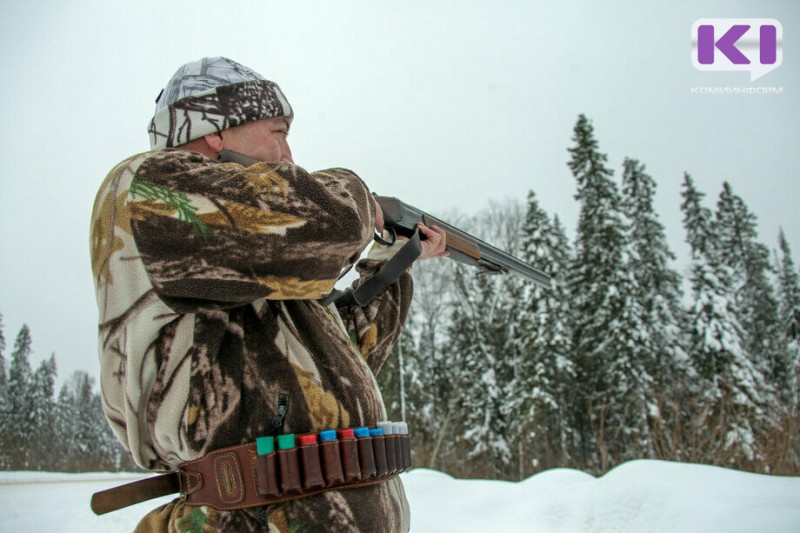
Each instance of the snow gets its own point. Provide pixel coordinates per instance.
(651, 496)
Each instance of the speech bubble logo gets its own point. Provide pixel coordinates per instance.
(754, 45)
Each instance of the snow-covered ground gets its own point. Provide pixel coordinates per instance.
(636, 496)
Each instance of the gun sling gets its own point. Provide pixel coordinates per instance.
(238, 477)
(380, 280)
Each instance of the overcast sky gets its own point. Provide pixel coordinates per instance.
(447, 105)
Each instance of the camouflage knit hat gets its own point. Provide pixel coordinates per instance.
(210, 95)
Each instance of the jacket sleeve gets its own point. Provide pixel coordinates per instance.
(225, 234)
(375, 328)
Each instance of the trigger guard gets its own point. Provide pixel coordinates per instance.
(392, 236)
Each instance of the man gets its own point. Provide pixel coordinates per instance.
(208, 276)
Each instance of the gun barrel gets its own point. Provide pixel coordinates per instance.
(463, 247)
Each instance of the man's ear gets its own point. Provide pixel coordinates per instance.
(214, 141)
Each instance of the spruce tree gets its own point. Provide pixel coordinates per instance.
(659, 295)
(17, 433)
(789, 318)
(64, 416)
(728, 404)
(561, 341)
(546, 370)
(754, 296)
(659, 286)
(42, 409)
(608, 332)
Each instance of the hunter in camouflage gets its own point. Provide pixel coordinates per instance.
(207, 277)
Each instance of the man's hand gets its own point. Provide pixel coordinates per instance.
(434, 244)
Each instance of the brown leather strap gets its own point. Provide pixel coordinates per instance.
(232, 478)
(237, 477)
(133, 493)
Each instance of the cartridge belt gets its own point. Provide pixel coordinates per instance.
(238, 476)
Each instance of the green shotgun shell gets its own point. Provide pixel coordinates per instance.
(286, 442)
(265, 445)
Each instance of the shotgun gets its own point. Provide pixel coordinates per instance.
(463, 247)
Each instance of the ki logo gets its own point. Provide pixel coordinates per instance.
(754, 45)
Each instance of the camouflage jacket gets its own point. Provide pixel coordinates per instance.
(207, 277)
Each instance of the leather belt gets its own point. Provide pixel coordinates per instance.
(238, 477)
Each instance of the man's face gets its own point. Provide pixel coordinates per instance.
(264, 140)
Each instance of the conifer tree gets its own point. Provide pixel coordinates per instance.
(659, 295)
(561, 337)
(42, 409)
(64, 424)
(754, 296)
(728, 396)
(659, 286)
(789, 318)
(19, 375)
(19, 419)
(546, 369)
(608, 333)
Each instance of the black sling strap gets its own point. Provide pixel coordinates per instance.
(380, 280)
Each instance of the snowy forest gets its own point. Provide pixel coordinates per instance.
(623, 359)
(39, 431)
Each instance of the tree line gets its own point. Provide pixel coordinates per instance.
(41, 431)
(502, 379)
